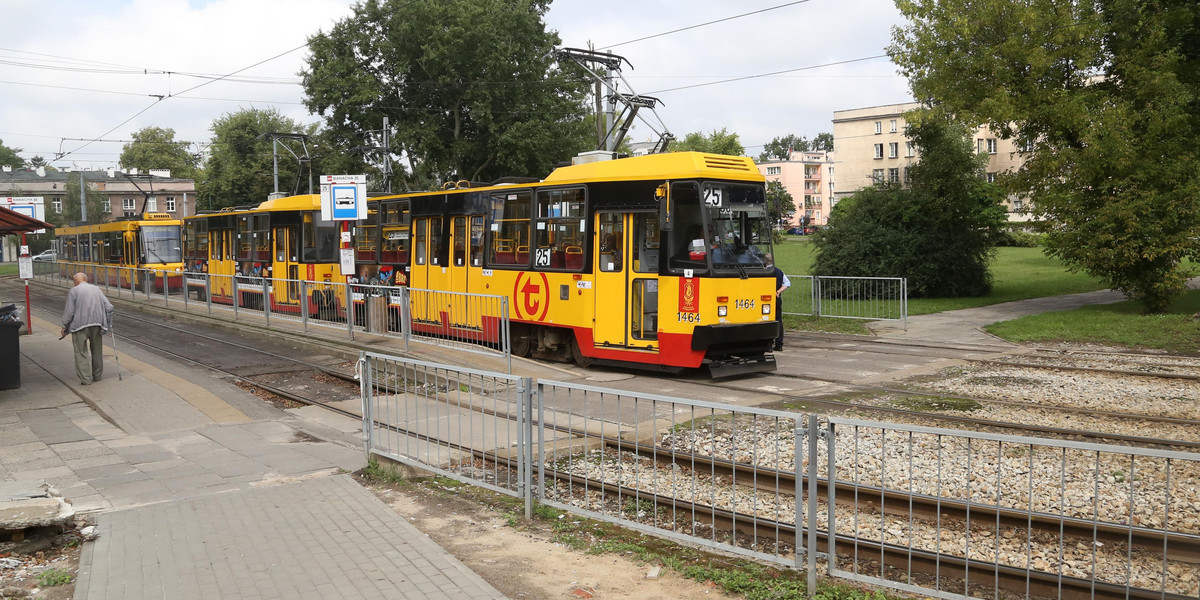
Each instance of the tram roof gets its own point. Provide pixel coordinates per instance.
(671, 165)
(301, 202)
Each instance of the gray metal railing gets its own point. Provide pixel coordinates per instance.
(471, 322)
(938, 512)
(866, 298)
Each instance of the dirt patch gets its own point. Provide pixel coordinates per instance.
(522, 559)
(43, 564)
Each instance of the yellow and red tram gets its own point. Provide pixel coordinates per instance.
(282, 242)
(659, 261)
(148, 245)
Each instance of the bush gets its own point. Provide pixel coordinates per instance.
(1016, 238)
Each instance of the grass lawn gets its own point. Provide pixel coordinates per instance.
(1021, 273)
(1121, 324)
(1018, 273)
(8, 269)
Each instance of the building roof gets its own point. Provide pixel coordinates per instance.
(29, 175)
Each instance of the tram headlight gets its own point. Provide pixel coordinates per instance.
(722, 311)
(766, 309)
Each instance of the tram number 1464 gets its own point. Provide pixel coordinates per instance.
(687, 317)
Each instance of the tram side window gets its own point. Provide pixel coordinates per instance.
(320, 239)
(419, 249)
(510, 228)
(395, 233)
(437, 242)
(261, 237)
(460, 246)
(366, 238)
(476, 241)
(646, 243)
(114, 247)
(244, 238)
(561, 229)
(688, 241)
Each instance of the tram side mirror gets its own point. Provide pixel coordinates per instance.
(663, 195)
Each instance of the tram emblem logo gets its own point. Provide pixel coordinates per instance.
(689, 293)
(531, 296)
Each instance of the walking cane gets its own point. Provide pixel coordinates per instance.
(116, 357)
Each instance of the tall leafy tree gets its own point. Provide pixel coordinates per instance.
(780, 205)
(938, 232)
(239, 169)
(1105, 95)
(718, 142)
(777, 149)
(156, 148)
(72, 212)
(10, 156)
(471, 87)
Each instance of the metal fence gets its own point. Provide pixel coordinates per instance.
(868, 298)
(471, 322)
(939, 512)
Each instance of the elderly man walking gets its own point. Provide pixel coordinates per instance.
(87, 315)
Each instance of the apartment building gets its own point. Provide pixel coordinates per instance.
(870, 146)
(808, 177)
(127, 194)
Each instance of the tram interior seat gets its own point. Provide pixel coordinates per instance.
(573, 258)
(504, 256)
(522, 256)
(394, 256)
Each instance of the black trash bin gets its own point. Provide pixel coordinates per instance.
(10, 354)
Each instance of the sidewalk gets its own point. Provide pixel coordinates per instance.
(202, 490)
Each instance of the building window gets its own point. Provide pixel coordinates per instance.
(979, 145)
(991, 178)
(907, 174)
(107, 204)
(893, 126)
(877, 175)
(1018, 204)
(894, 175)
(170, 203)
(831, 171)
(57, 202)
(878, 150)
(909, 149)
(817, 215)
(991, 145)
(878, 127)
(773, 170)
(894, 150)
(128, 205)
(151, 204)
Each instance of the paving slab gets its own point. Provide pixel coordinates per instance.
(285, 543)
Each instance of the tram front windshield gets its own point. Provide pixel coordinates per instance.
(161, 244)
(739, 230)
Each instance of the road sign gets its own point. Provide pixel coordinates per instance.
(343, 197)
(30, 206)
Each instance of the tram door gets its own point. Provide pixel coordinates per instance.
(286, 271)
(627, 254)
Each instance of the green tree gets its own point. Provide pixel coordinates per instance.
(1106, 96)
(780, 205)
(71, 212)
(823, 142)
(156, 148)
(777, 149)
(239, 169)
(718, 142)
(471, 87)
(10, 156)
(938, 232)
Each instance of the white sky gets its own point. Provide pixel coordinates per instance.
(81, 70)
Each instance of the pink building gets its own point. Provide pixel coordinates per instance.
(808, 177)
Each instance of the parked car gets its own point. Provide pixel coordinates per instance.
(795, 231)
(47, 255)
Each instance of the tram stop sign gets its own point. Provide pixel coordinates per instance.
(343, 197)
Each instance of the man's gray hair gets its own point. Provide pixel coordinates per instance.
(80, 278)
